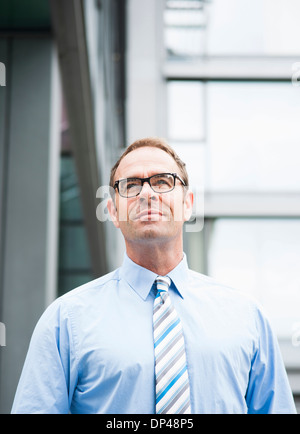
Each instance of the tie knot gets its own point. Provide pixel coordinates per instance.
(163, 283)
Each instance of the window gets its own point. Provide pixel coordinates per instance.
(74, 258)
(231, 28)
(260, 257)
(233, 116)
(256, 122)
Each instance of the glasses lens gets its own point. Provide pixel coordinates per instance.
(130, 187)
(162, 183)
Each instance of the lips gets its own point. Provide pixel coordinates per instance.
(148, 214)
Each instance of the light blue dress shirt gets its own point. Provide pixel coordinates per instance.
(92, 349)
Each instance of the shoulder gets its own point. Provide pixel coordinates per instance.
(81, 298)
(220, 293)
(96, 285)
(209, 283)
(240, 308)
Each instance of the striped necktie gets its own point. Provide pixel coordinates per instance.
(172, 382)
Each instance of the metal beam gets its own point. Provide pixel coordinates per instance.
(230, 68)
(70, 34)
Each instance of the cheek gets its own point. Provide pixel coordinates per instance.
(175, 207)
(126, 209)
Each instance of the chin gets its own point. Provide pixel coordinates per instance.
(149, 230)
(154, 231)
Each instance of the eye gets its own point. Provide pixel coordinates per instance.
(132, 183)
(163, 181)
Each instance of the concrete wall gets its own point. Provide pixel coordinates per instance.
(29, 174)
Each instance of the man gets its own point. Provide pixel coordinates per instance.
(153, 336)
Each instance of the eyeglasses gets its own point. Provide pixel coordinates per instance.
(161, 183)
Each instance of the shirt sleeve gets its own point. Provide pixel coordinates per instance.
(49, 375)
(268, 391)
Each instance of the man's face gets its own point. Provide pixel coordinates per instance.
(150, 215)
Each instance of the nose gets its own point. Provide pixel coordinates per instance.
(147, 192)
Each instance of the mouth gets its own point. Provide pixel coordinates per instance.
(149, 215)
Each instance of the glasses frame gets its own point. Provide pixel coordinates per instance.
(143, 180)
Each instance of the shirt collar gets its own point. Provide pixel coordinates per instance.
(141, 279)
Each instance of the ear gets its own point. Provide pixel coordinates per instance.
(188, 205)
(113, 212)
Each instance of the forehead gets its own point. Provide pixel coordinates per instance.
(144, 162)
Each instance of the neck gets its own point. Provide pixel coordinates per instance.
(159, 258)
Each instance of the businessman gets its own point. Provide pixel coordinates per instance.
(153, 336)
